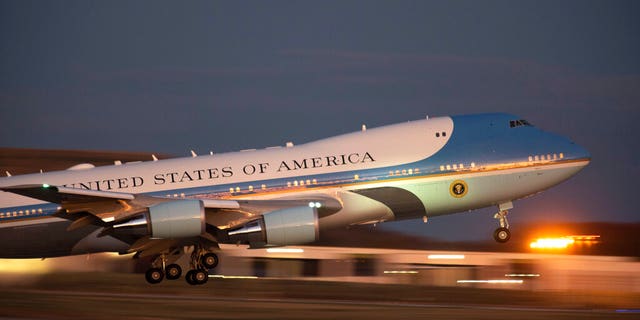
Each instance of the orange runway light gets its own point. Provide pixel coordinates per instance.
(445, 256)
(400, 272)
(551, 243)
(563, 242)
(285, 250)
(492, 281)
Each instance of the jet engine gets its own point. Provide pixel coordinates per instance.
(176, 219)
(173, 219)
(288, 226)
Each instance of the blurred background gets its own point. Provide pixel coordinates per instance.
(169, 77)
(128, 79)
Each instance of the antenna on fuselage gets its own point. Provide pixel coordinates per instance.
(193, 154)
(364, 127)
(153, 156)
(8, 174)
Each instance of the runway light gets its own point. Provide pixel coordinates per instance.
(495, 281)
(285, 250)
(522, 275)
(591, 237)
(564, 242)
(400, 272)
(221, 276)
(445, 256)
(552, 243)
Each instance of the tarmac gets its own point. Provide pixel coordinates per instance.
(104, 295)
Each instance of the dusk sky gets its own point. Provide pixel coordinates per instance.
(170, 76)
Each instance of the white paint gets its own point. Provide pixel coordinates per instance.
(388, 145)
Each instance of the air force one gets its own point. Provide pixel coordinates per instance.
(282, 195)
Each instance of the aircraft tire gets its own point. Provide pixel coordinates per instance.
(154, 275)
(502, 235)
(173, 271)
(200, 276)
(189, 277)
(209, 260)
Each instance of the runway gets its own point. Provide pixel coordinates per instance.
(109, 295)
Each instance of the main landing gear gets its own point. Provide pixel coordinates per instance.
(160, 270)
(502, 234)
(201, 261)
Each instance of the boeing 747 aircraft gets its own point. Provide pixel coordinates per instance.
(282, 195)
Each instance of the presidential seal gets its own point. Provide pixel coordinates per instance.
(458, 189)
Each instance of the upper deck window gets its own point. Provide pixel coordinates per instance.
(519, 123)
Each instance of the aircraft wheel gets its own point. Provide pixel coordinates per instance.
(173, 271)
(502, 235)
(209, 260)
(154, 275)
(201, 276)
(190, 277)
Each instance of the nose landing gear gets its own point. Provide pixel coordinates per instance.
(502, 234)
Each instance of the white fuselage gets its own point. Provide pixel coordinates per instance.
(435, 166)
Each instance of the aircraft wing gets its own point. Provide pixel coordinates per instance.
(106, 205)
(155, 225)
(168, 218)
(152, 225)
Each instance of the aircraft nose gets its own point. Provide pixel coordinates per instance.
(577, 152)
(581, 152)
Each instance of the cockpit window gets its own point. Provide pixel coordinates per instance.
(519, 123)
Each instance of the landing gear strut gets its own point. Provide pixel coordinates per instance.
(201, 261)
(160, 269)
(502, 234)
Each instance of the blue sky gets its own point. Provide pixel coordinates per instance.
(170, 76)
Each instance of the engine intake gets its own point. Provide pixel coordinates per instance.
(288, 226)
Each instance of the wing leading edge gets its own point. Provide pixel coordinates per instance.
(106, 205)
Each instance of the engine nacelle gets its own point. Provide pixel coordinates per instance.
(177, 219)
(282, 227)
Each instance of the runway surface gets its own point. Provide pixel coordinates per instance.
(127, 296)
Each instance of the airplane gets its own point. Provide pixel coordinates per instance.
(286, 195)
